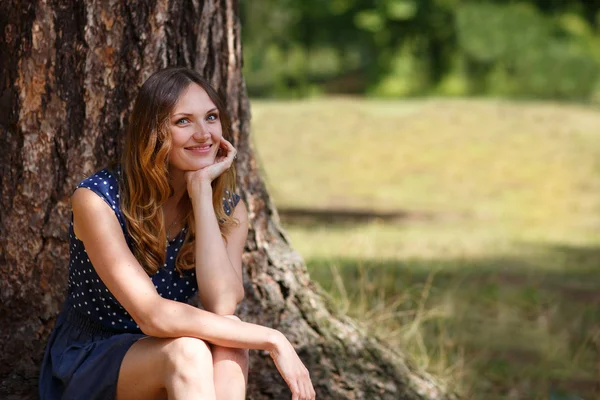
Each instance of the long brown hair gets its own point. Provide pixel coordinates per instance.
(144, 183)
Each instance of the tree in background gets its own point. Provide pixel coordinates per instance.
(70, 72)
(535, 48)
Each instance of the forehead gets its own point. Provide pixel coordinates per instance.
(193, 99)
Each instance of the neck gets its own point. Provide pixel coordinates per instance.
(177, 181)
(172, 206)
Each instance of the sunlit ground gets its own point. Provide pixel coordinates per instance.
(491, 278)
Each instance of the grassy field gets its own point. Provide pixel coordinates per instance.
(491, 278)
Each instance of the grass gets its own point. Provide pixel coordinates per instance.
(492, 279)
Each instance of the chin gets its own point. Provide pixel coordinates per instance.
(201, 164)
(193, 164)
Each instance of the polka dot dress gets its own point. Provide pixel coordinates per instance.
(93, 332)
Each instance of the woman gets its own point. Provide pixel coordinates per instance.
(146, 235)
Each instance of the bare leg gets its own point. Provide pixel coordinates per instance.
(177, 369)
(230, 371)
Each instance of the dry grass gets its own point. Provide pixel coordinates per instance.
(498, 290)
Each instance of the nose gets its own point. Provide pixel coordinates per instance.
(201, 131)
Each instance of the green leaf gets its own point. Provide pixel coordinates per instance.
(369, 20)
(401, 10)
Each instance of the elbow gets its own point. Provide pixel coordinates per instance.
(149, 327)
(152, 323)
(240, 295)
(226, 303)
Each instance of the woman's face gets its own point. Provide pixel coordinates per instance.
(195, 129)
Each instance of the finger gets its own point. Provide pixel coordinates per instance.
(302, 389)
(225, 144)
(304, 382)
(222, 152)
(228, 147)
(307, 388)
(303, 392)
(312, 393)
(295, 391)
(231, 156)
(309, 385)
(299, 388)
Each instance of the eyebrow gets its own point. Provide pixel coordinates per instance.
(188, 114)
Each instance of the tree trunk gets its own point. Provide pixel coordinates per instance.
(69, 73)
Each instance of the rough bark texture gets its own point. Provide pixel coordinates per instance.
(69, 71)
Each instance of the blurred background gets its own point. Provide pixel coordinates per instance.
(437, 165)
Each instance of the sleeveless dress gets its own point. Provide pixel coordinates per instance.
(93, 331)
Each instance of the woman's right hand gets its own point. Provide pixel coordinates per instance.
(292, 369)
(223, 161)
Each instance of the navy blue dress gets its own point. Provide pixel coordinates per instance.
(93, 331)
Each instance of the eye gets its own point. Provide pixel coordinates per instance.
(182, 121)
(212, 116)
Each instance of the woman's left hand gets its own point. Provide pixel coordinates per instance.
(211, 172)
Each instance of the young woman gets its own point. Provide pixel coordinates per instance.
(146, 235)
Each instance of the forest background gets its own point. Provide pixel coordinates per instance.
(436, 164)
(535, 48)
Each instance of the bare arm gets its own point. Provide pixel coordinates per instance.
(218, 264)
(98, 228)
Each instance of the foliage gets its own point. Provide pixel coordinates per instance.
(519, 40)
(391, 48)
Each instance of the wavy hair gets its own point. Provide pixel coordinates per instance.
(144, 179)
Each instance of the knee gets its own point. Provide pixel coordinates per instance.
(188, 356)
(238, 356)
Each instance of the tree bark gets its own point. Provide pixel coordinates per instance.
(69, 73)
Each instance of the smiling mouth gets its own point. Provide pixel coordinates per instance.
(200, 149)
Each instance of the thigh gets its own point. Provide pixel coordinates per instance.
(149, 362)
(141, 369)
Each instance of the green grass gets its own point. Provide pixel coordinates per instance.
(492, 280)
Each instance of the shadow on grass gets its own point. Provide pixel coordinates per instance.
(311, 217)
(527, 326)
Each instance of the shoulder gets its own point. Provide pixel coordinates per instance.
(105, 185)
(83, 198)
(96, 199)
(91, 210)
(104, 179)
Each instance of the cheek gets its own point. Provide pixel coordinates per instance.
(177, 143)
(217, 134)
(178, 137)
(173, 158)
